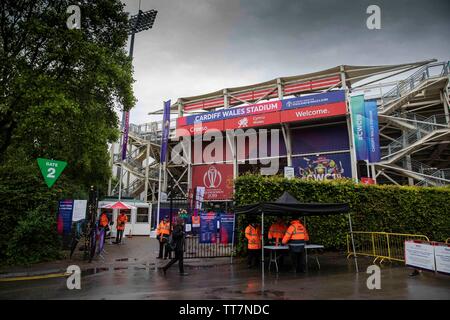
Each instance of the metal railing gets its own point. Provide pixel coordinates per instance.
(424, 128)
(381, 245)
(403, 87)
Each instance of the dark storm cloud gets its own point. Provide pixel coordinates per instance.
(198, 46)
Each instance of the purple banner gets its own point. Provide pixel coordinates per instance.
(125, 135)
(166, 129)
(314, 100)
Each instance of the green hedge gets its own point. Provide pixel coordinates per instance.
(387, 208)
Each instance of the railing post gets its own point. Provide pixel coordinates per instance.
(373, 244)
(388, 247)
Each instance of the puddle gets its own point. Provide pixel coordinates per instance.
(91, 271)
(121, 268)
(122, 259)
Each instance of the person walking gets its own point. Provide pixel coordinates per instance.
(296, 236)
(162, 234)
(121, 220)
(253, 235)
(104, 224)
(178, 238)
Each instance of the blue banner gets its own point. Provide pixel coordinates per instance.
(166, 130)
(359, 127)
(372, 131)
(314, 100)
(65, 210)
(226, 227)
(208, 227)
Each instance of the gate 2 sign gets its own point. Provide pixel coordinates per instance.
(216, 178)
(51, 170)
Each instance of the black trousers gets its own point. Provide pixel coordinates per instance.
(119, 236)
(253, 257)
(162, 247)
(179, 258)
(298, 258)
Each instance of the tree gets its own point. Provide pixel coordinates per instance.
(59, 92)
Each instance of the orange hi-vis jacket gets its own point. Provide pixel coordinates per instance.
(277, 231)
(296, 233)
(253, 236)
(121, 220)
(103, 220)
(163, 228)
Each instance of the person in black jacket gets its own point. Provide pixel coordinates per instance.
(178, 236)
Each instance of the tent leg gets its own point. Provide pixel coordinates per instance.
(262, 251)
(353, 242)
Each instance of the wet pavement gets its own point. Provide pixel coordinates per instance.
(131, 271)
(139, 277)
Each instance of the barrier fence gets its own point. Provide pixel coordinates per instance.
(195, 249)
(381, 245)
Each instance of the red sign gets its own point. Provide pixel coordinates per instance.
(199, 128)
(365, 180)
(252, 121)
(323, 111)
(216, 178)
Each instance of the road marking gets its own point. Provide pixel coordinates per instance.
(46, 276)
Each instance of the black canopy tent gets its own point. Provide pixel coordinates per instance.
(287, 205)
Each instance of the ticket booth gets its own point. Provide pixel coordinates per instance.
(138, 216)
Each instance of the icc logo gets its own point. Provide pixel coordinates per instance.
(212, 178)
(289, 104)
(243, 122)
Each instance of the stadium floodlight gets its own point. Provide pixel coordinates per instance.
(141, 21)
(137, 23)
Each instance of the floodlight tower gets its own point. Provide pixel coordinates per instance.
(142, 21)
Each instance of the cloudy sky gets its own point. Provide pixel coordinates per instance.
(199, 46)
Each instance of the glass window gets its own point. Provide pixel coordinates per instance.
(142, 215)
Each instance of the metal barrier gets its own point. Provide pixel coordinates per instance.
(381, 245)
(195, 249)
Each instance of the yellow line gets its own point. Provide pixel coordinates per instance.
(46, 276)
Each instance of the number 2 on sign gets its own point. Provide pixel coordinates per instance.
(51, 173)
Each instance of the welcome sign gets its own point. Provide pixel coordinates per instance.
(314, 106)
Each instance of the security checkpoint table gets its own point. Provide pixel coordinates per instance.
(273, 258)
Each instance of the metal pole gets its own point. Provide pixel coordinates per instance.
(232, 239)
(353, 242)
(262, 250)
(159, 196)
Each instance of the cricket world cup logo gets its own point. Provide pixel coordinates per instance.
(212, 178)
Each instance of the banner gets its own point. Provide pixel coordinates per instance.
(65, 210)
(217, 179)
(359, 127)
(313, 106)
(372, 131)
(226, 227)
(365, 129)
(208, 227)
(199, 196)
(166, 130)
(325, 167)
(125, 135)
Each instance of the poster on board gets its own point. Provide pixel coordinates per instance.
(419, 255)
(442, 256)
(208, 227)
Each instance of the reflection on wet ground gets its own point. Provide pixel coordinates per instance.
(336, 279)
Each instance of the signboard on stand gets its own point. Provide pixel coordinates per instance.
(442, 255)
(419, 255)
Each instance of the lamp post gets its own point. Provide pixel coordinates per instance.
(142, 21)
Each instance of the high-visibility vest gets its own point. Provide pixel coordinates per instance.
(296, 231)
(103, 220)
(195, 220)
(277, 231)
(163, 228)
(253, 236)
(121, 220)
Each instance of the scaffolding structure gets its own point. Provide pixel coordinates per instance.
(414, 126)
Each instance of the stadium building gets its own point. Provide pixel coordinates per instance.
(387, 124)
